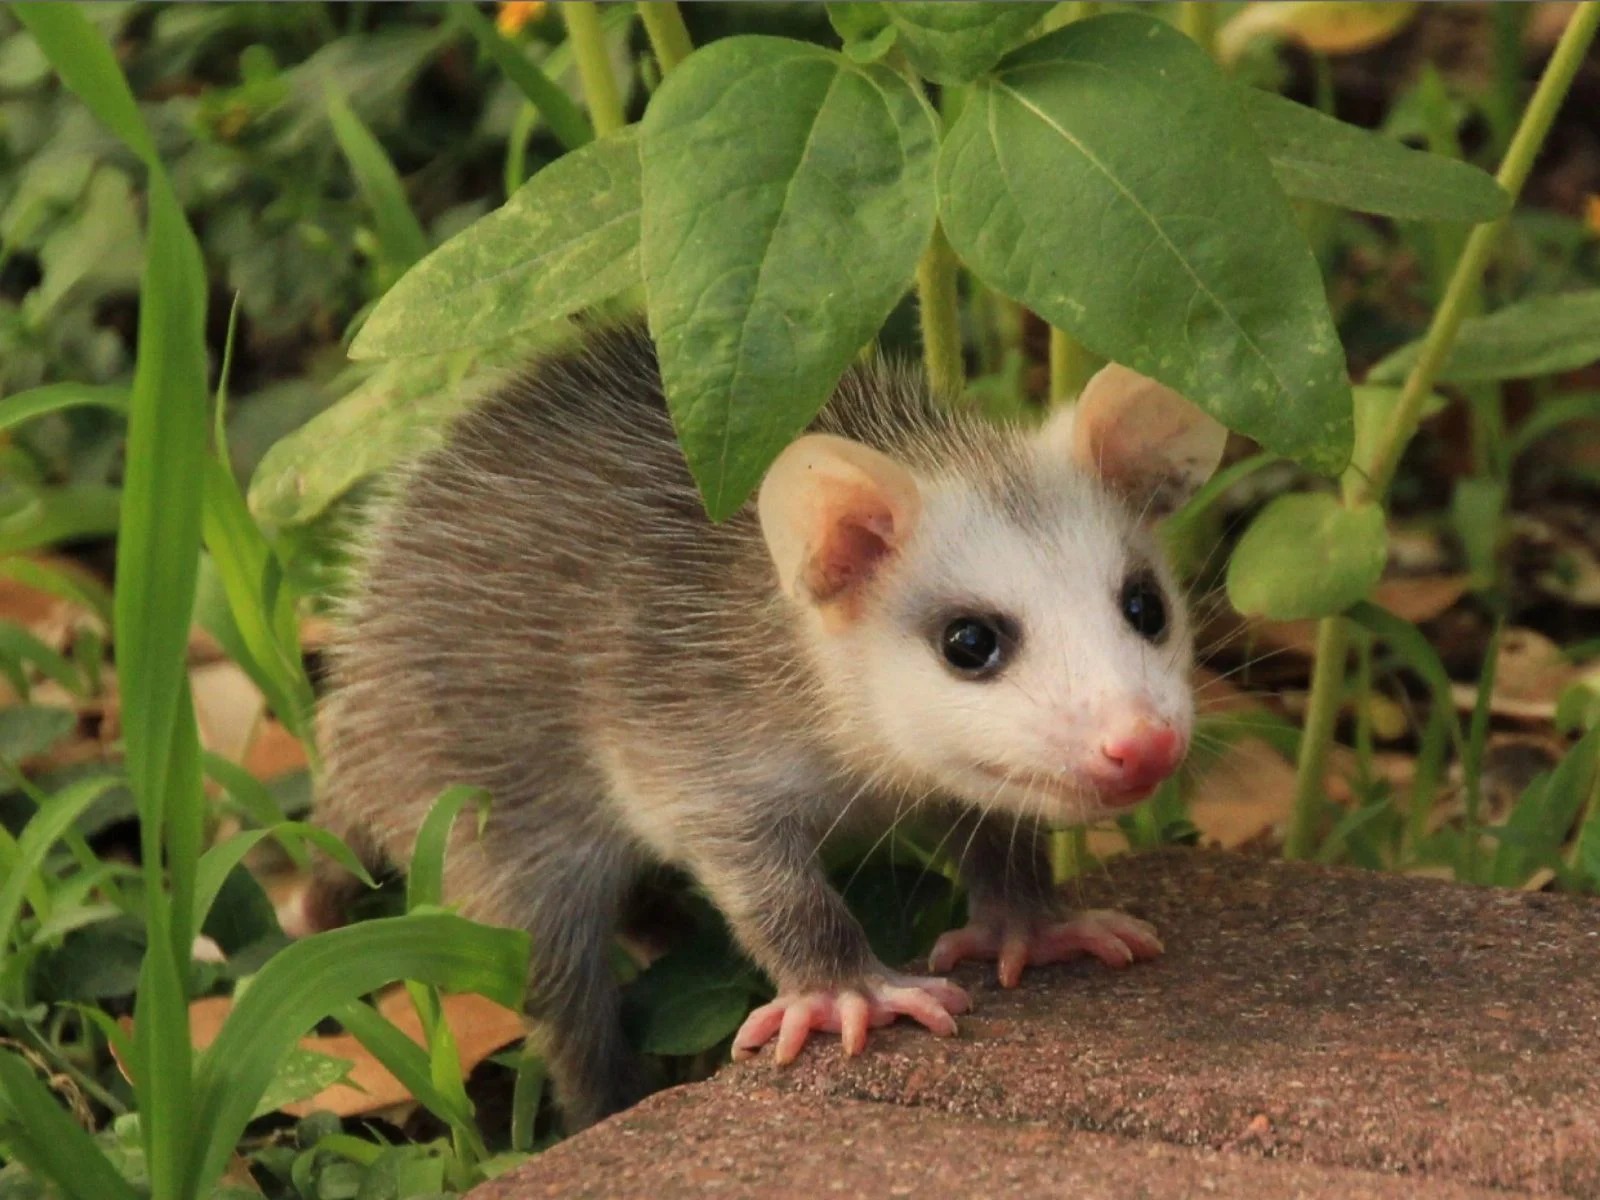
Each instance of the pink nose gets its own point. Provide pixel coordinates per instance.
(1140, 756)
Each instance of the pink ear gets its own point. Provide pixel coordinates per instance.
(1141, 438)
(833, 513)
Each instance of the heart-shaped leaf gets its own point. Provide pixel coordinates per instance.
(773, 249)
(1106, 176)
(567, 239)
(1307, 556)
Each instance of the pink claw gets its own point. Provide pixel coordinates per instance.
(1014, 943)
(849, 1012)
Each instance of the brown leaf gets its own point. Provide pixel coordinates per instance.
(1529, 679)
(228, 706)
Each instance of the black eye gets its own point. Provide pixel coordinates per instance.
(973, 646)
(1143, 608)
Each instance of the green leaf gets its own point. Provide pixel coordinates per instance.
(85, 63)
(27, 730)
(219, 861)
(864, 28)
(397, 413)
(1106, 177)
(567, 239)
(951, 42)
(405, 1060)
(1542, 336)
(37, 1130)
(47, 827)
(695, 1019)
(312, 978)
(18, 645)
(1316, 157)
(400, 237)
(1307, 556)
(251, 576)
(58, 397)
(566, 119)
(1588, 860)
(1551, 415)
(425, 875)
(1405, 640)
(771, 260)
(54, 516)
(301, 1075)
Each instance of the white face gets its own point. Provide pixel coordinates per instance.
(1004, 632)
(1038, 662)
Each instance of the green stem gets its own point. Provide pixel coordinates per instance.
(1071, 365)
(941, 317)
(1327, 688)
(669, 36)
(1069, 853)
(1327, 676)
(1198, 18)
(1530, 135)
(594, 65)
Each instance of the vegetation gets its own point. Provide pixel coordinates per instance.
(250, 254)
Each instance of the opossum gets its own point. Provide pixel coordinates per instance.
(921, 611)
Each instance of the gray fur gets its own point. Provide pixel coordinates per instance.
(545, 611)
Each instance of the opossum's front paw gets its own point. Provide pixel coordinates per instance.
(849, 1012)
(1014, 941)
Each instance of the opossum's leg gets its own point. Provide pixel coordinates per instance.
(566, 888)
(786, 916)
(1015, 914)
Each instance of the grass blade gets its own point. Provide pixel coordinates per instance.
(566, 119)
(314, 977)
(48, 826)
(75, 587)
(400, 237)
(38, 1131)
(58, 397)
(407, 1062)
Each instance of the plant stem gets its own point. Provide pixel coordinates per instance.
(1071, 365)
(941, 317)
(1198, 19)
(1513, 173)
(594, 65)
(1069, 853)
(669, 36)
(1327, 676)
(1327, 689)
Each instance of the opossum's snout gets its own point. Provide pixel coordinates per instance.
(1133, 760)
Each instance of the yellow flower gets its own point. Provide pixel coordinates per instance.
(1591, 213)
(514, 14)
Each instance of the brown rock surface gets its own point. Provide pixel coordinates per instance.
(738, 1138)
(1359, 1030)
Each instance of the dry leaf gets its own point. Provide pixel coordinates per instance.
(1529, 678)
(274, 752)
(1242, 796)
(1326, 26)
(228, 707)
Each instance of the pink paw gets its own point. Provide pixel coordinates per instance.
(849, 1012)
(1014, 942)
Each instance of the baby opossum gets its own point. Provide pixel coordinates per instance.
(921, 611)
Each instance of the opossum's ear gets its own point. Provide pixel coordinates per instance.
(1140, 437)
(833, 512)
